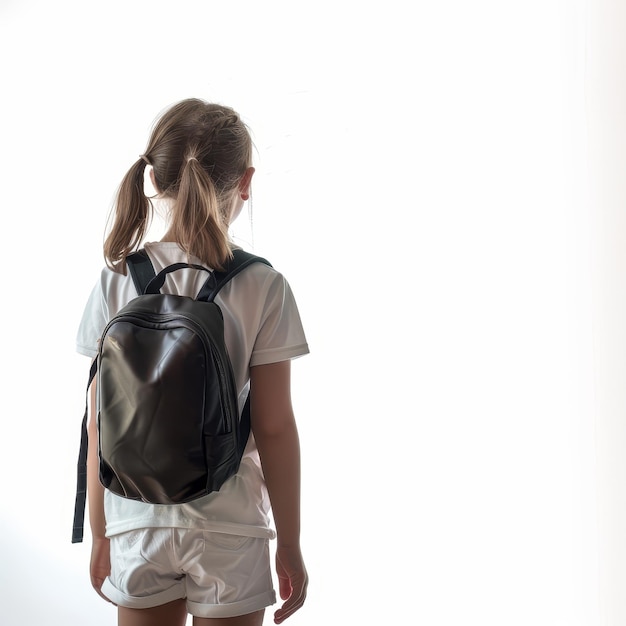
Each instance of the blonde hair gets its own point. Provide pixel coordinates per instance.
(198, 151)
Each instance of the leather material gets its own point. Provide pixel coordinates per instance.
(169, 344)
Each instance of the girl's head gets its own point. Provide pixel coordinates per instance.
(201, 157)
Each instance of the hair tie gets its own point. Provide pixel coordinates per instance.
(145, 158)
(191, 158)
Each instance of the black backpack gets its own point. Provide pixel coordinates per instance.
(168, 422)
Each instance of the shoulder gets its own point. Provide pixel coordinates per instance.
(109, 294)
(116, 290)
(259, 280)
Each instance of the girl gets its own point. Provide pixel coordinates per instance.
(209, 557)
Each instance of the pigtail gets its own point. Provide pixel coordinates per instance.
(130, 222)
(198, 223)
(198, 152)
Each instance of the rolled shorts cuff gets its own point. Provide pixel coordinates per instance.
(143, 602)
(233, 609)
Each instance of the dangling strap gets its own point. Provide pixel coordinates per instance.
(244, 426)
(81, 473)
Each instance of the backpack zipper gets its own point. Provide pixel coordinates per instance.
(194, 327)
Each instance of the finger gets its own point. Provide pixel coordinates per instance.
(284, 587)
(294, 603)
(287, 610)
(97, 583)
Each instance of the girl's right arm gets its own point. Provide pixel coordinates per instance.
(276, 436)
(100, 565)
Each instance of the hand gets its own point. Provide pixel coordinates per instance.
(292, 581)
(100, 566)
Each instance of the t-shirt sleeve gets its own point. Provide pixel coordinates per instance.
(92, 323)
(281, 335)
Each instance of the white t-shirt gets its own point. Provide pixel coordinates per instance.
(261, 325)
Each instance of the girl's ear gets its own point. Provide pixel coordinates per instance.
(244, 183)
(153, 180)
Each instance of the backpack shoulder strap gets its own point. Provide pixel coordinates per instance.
(217, 279)
(141, 269)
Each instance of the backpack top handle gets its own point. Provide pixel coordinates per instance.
(148, 282)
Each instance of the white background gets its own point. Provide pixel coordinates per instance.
(431, 179)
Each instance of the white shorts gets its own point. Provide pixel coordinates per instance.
(220, 575)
